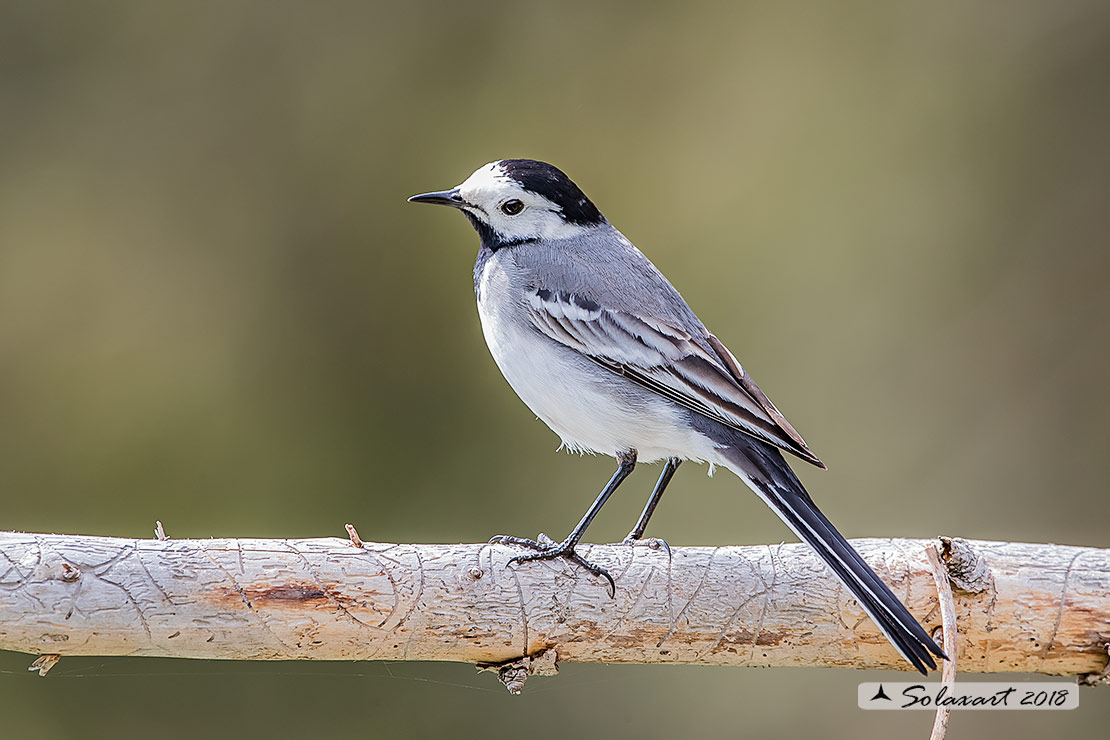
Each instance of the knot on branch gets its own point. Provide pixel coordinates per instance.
(965, 565)
(514, 673)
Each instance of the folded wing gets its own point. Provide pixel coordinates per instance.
(692, 369)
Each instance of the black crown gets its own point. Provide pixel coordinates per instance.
(552, 183)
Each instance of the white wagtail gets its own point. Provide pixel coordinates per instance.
(601, 346)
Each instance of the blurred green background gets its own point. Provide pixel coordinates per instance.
(217, 310)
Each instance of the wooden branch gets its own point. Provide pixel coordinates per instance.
(1020, 607)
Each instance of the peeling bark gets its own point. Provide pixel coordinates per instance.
(1035, 608)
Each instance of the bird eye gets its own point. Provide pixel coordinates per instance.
(512, 207)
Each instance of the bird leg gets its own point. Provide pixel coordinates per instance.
(565, 549)
(664, 479)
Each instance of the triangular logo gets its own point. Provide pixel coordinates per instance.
(881, 694)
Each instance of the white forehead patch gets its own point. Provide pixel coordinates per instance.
(489, 178)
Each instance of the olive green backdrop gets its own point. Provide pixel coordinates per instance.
(217, 310)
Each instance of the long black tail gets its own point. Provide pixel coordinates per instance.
(764, 470)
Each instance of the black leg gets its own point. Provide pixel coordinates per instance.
(664, 479)
(565, 549)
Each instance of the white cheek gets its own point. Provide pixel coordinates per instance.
(537, 223)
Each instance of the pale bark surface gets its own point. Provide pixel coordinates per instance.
(1036, 608)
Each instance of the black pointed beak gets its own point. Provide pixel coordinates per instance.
(442, 198)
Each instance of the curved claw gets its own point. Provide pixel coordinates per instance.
(597, 570)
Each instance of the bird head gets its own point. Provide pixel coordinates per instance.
(514, 201)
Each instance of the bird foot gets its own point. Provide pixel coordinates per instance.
(547, 549)
(653, 543)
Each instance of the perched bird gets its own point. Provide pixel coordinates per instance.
(601, 346)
